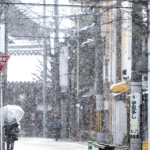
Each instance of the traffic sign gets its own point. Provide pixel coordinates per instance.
(33, 116)
(78, 138)
(3, 61)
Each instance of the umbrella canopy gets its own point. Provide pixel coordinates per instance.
(12, 114)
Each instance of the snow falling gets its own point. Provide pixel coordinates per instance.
(77, 72)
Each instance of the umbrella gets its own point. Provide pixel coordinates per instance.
(12, 114)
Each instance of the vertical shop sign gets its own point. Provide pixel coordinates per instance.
(135, 113)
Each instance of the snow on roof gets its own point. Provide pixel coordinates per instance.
(145, 92)
(85, 28)
(88, 41)
(27, 49)
(23, 44)
(116, 94)
(116, 84)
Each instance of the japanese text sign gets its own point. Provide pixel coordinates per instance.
(135, 112)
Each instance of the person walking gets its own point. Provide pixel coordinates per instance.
(11, 135)
(56, 127)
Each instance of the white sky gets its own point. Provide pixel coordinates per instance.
(20, 67)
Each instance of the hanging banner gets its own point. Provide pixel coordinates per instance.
(2, 38)
(135, 113)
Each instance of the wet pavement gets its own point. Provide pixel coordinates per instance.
(49, 144)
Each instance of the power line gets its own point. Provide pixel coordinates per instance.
(30, 7)
(59, 5)
(66, 16)
(15, 36)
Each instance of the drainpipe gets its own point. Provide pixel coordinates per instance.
(111, 82)
(114, 75)
(149, 73)
(106, 84)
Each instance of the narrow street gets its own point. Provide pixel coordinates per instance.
(75, 69)
(48, 144)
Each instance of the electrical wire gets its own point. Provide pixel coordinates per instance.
(59, 5)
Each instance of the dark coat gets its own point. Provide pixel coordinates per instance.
(11, 133)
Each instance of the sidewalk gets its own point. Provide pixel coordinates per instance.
(121, 148)
(49, 144)
(93, 147)
(84, 143)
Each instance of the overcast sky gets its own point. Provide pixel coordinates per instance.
(20, 68)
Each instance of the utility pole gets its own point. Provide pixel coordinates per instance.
(77, 33)
(78, 105)
(44, 72)
(56, 38)
(1, 92)
(6, 28)
(106, 86)
(6, 13)
(98, 85)
(4, 80)
(56, 56)
(136, 84)
(63, 80)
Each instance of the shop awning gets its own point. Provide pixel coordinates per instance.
(119, 87)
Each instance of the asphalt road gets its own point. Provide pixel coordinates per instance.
(49, 144)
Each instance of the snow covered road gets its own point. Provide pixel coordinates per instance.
(48, 144)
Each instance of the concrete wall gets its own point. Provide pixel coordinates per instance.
(121, 121)
(126, 44)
